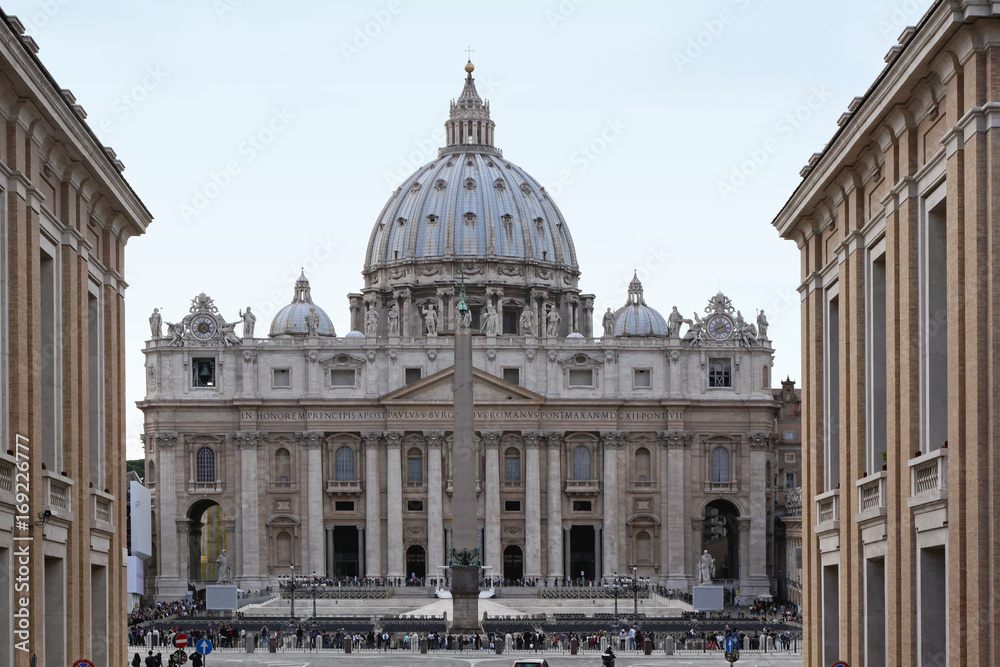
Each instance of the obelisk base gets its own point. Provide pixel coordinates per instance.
(465, 599)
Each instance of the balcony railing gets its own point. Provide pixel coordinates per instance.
(341, 487)
(583, 487)
(7, 480)
(282, 487)
(449, 487)
(512, 485)
(872, 493)
(100, 511)
(643, 484)
(415, 486)
(721, 487)
(929, 473)
(205, 487)
(793, 501)
(827, 510)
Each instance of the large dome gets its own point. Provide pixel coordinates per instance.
(470, 204)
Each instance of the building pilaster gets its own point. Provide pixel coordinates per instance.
(248, 444)
(394, 504)
(553, 497)
(610, 441)
(312, 442)
(373, 510)
(435, 515)
(532, 507)
(676, 443)
(491, 442)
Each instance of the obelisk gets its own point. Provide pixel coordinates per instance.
(464, 557)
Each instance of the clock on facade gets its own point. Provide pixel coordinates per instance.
(720, 327)
(203, 327)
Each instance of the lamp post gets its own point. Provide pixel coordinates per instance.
(614, 589)
(291, 587)
(635, 594)
(314, 596)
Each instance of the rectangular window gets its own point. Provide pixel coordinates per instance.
(875, 625)
(789, 435)
(51, 456)
(934, 325)
(582, 506)
(510, 321)
(641, 377)
(55, 612)
(99, 614)
(720, 373)
(512, 469)
(6, 614)
(415, 469)
(282, 378)
(798, 558)
(411, 375)
(512, 506)
(203, 372)
(342, 377)
(95, 395)
(344, 506)
(414, 506)
(789, 480)
(512, 375)
(581, 378)
(877, 430)
(831, 614)
(932, 604)
(831, 453)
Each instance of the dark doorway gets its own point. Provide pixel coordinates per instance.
(206, 540)
(513, 563)
(582, 556)
(345, 552)
(416, 562)
(721, 538)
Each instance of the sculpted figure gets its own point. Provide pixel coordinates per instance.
(491, 321)
(249, 320)
(553, 320)
(393, 319)
(467, 319)
(430, 320)
(674, 321)
(175, 333)
(312, 323)
(609, 323)
(527, 322)
(156, 324)
(227, 331)
(706, 568)
(371, 321)
(225, 569)
(761, 325)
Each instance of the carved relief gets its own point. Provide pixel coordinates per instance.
(397, 273)
(511, 270)
(429, 270)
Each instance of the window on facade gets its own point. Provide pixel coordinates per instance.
(343, 506)
(581, 463)
(789, 457)
(765, 375)
(720, 373)
(284, 548)
(203, 371)
(510, 318)
(934, 328)
(581, 378)
(789, 480)
(282, 378)
(582, 506)
(512, 506)
(878, 391)
(283, 465)
(789, 435)
(205, 465)
(831, 407)
(411, 375)
(642, 465)
(342, 377)
(474, 325)
(720, 465)
(344, 464)
(512, 375)
(414, 466)
(512, 465)
(414, 506)
(641, 377)
(150, 473)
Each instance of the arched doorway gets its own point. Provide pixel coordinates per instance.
(206, 540)
(513, 563)
(721, 538)
(416, 562)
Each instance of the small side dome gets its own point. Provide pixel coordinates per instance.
(292, 320)
(635, 318)
(575, 334)
(354, 334)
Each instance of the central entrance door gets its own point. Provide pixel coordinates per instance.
(416, 562)
(513, 563)
(582, 557)
(345, 552)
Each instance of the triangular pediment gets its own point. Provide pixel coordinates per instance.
(486, 388)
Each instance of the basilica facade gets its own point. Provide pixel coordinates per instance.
(632, 448)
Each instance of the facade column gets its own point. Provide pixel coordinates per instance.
(373, 509)
(394, 504)
(312, 443)
(532, 507)
(553, 493)
(435, 515)
(676, 477)
(610, 441)
(248, 443)
(756, 574)
(170, 583)
(491, 442)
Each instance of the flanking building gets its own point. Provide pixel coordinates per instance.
(630, 449)
(66, 214)
(897, 221)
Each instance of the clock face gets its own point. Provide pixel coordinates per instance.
(720, 327)
(203, 327)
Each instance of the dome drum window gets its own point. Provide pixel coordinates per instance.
(499, 184)
(469, 218)
(440, 184)
(470, 183)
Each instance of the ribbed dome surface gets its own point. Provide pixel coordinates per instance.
(635, 318)
(292, 319)
(470, 204)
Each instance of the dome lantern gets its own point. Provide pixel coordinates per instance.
(635, 318)
(293, 319)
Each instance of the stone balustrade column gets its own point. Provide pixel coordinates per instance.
(532, 507)
(553, 517)
(394, 504)
(491, 538)
(312, 443)
(373, 509)
(610, 440)
(435, 513)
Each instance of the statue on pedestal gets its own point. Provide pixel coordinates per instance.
(225, 569)
(609, 323)
(249, 320)
(761, 325)
(371, 321)
(312, 323)
(393, 319)
(674, 321)
(156, 324)
(491, 320)
(706, 568)
(553, 320)
(430, 321)
(527, 322)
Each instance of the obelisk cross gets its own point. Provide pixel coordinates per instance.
(469, 51)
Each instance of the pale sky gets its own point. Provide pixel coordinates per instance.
(643, 110)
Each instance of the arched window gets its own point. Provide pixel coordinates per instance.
(642, 465)
(151, 473)
(643, 548)
(284, 549)
(512, 465)
(581, 463)
(720, 465)
(414, 465)
(205, 469)
(767, 377)
(283, 465)
(344, 464)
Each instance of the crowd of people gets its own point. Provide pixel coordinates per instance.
(767, 639)
(162, 610)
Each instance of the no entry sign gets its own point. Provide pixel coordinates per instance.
(181, 640)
